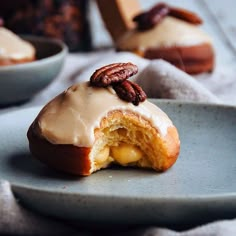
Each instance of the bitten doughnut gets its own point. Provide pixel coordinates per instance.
(13, 49)
(94, 124)
(172, 34)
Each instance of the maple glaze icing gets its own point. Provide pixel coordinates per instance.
(13, 47)
(169, 32)
(72, 116)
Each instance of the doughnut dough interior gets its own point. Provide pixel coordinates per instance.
(130, 140)
(85, 129)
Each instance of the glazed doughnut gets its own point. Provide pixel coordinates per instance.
(86, 128)
(13, 49)
(175, 40)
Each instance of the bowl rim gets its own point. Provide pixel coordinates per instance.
(64, 50)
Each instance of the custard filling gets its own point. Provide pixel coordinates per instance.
(126, 153)
(123, 154)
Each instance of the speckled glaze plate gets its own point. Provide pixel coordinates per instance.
(200, 187)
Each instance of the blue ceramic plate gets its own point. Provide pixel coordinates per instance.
(20, 82)
(200, 187)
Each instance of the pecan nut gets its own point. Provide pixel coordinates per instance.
(113, 73)
(130, 92)
(185, 15)
(116, 75)
(140, 94)
(152, 17)
(148, 19)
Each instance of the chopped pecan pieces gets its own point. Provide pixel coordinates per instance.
(116, 75)
(113, 73)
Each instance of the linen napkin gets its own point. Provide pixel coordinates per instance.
(16, 220)
(159, 79)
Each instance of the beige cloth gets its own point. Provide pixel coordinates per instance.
(220, 86)
(16, 220)
(163, 80)
(160, 80)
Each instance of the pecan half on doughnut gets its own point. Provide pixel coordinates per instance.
(147, 20)
(116, 75)
(185, 15)
(113, 73)
(130, 92)
(152, 17)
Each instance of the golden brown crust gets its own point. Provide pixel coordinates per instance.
(67, 158)
(173, 147)
(193, 59)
